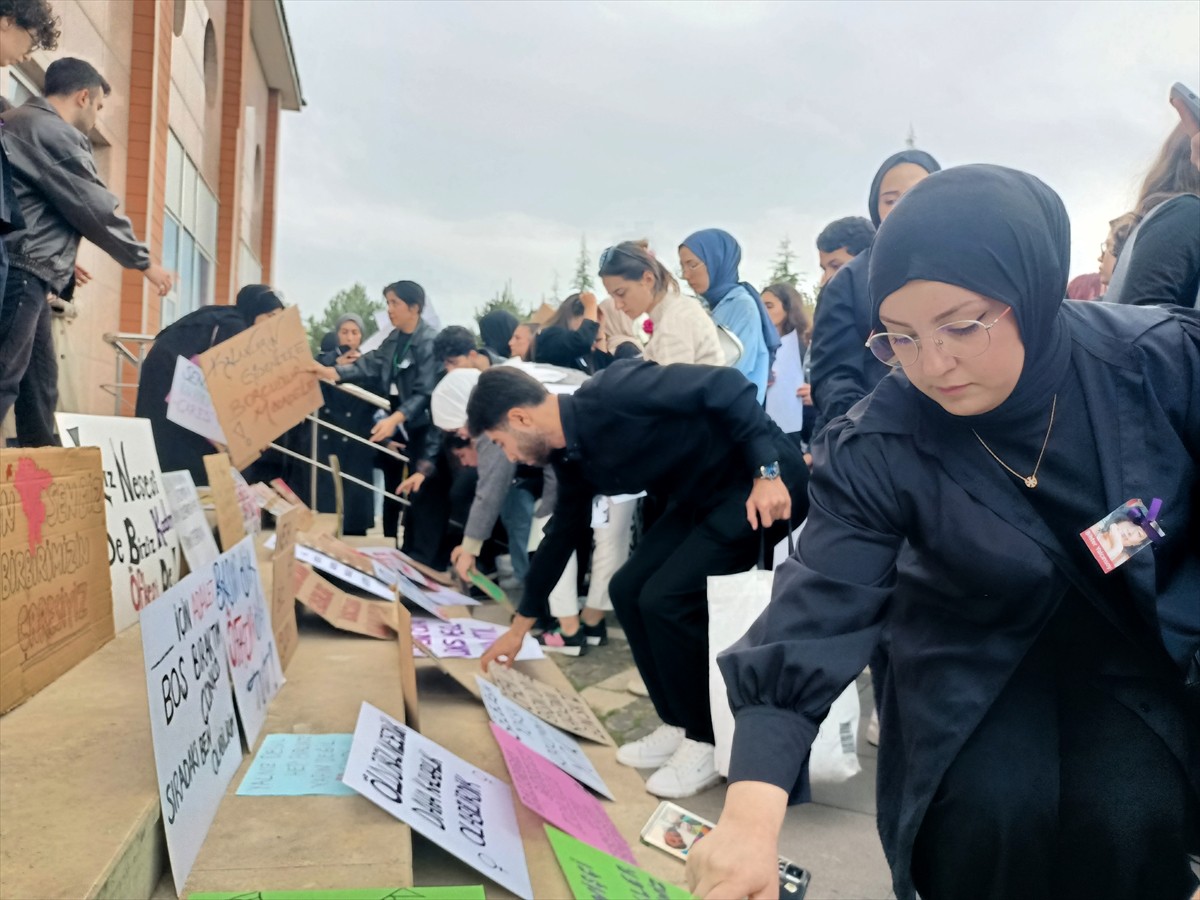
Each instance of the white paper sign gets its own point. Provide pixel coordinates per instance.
(541, 737)
(197, 748)
(191, 525)
(466, 638)
(348, 574)
(143, 548)
(462, 809)
(189, 404)
(249, 638)
(248, 501)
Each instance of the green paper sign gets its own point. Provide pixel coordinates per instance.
(473, 892)
(490, 588)
(594, 875)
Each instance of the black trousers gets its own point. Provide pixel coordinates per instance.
(660, 597)
(1063, 791)
(28, 366)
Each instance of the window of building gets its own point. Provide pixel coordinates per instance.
(210, 64)
(180, 15)
(189, 235)
(19, 87)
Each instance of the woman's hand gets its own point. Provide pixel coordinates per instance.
(348, 357)
(385, 428)
(769, 502)
(411, 484)
(323, 373)
(804, 392)
(508, 645)
(740, 857)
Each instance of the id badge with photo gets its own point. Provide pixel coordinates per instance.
(1123, 533)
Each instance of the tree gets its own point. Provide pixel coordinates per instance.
(782, 270)
(583, 268)
(506, 301)
(352, 300)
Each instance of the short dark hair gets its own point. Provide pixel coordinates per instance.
(408, 291)
(68, 76)
(453, 341)
(500, 389)
(853, 232)
(36, 17)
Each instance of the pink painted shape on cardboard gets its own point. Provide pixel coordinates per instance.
(31, 482)
(559, 799)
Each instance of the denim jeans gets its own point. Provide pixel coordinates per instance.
(28, 365)
(517, 516)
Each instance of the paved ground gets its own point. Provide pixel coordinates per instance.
(834, 837)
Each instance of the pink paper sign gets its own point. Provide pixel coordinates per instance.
(558, 798)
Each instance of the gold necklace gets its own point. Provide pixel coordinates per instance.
(1031, 479)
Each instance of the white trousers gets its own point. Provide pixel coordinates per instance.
(611, 550)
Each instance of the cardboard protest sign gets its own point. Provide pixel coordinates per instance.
(462, 809)
(408, 668)
(283, 584)
(395, 562)
(143, 549)
(298, 765)
(558, 798)
(56, 604)
(595, 875)
(247, 503)
(322, 552)
(372, 618)
(307, 519)
(230, 523)
(543, 738)
(189, 405)
(467, 638)
(463, 892)
(569, 712)
(191, 525)
(260, 384)
(249, 638)
(197, 747)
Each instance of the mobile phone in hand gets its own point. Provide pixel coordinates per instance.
(1187, 104)
(674, 830)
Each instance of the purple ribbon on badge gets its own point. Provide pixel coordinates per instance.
(1147, 518)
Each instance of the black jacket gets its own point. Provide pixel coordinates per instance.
(189, 336)
(843, 369)
(683, 433)
(61, 198)
(946, 558)
(10, 210)
(1161, 259)
(560, 346)
(406, 362)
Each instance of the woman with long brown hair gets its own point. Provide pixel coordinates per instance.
(1160, 262)
(789, 395)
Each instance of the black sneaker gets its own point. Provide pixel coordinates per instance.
(568, 645)
(597, 635)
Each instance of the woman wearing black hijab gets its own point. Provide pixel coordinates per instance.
(190, 336)
(496, 330)
(1040, 735)
(843, 371)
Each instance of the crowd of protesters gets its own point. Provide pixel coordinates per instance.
(946, 427)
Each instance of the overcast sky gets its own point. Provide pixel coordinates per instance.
(461, 144)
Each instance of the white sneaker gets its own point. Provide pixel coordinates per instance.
(873, 729)
(653, 750)
(691, 769)
(637, 687)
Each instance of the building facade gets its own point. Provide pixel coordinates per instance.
(188, 140)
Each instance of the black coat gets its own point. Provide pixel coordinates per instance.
(686, 434)
(944, 559)
(189, 336)
(843, 370)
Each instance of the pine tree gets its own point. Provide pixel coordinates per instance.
(583, 268)
(352, 300)
(782, 271)
(504, 299)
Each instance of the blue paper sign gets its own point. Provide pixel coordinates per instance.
(295, 765)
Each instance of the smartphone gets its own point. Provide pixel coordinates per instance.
(674, 830)
(1187, 104)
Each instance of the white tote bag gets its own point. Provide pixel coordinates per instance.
(734, 602)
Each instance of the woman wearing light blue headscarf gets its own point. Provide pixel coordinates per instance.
(710, 260)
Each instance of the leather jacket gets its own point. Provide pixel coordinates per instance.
(61, 197)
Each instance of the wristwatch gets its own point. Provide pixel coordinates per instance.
(770, 471)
